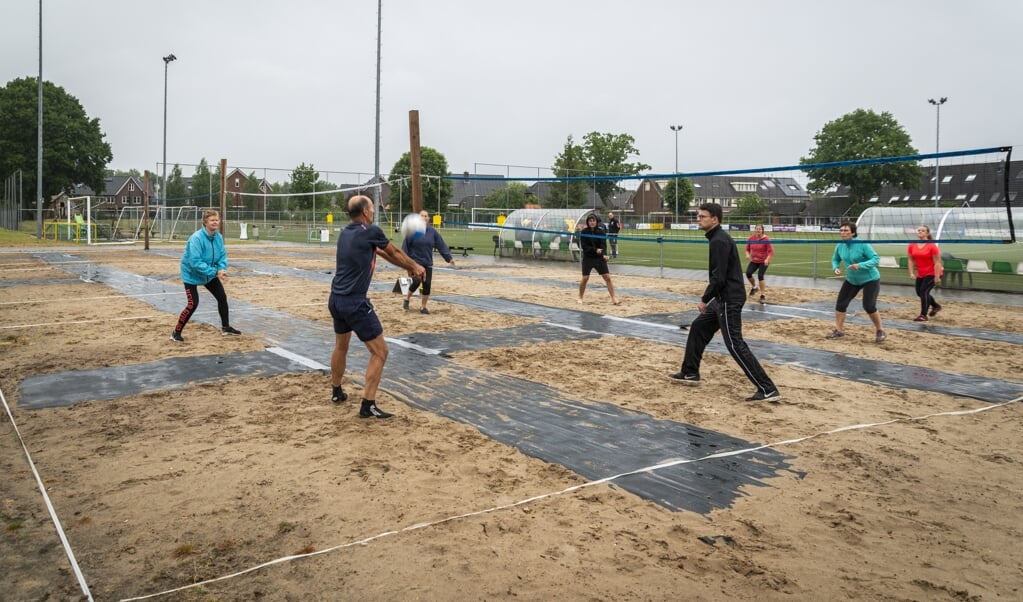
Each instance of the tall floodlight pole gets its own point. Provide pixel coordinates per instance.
(376, 153)
(39, 138)
(937, 142)
(163, 182)
(676, 129)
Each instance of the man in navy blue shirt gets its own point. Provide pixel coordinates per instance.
(357, 248)
(420, 249)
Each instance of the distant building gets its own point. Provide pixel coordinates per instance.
(965, 184)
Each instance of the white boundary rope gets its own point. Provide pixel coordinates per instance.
(543, 496)
(49, 506)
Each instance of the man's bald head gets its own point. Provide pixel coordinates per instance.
(359, 206)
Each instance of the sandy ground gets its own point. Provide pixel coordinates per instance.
(168, 488)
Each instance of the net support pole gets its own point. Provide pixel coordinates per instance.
(223, 197)
(145, 208)
(1005, 192)
(415, 161)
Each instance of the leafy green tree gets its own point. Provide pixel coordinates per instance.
(303, 179)
(252, 191)
(74, 151)
(437, 192)
(607, 155)
(203, 185)
(862, 135)
(120, 172)
(514, 196)
(751, 205)
(571, 163)
(177, 192)
(686, 194)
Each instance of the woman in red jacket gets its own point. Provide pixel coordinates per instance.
(925, 266)
(759, 252)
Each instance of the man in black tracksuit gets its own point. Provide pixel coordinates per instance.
(721, 309)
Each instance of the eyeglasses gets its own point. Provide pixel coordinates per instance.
(698, 216)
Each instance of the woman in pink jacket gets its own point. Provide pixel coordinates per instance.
(759, 252)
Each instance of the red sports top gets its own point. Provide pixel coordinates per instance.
(924, 257)
(759, 253)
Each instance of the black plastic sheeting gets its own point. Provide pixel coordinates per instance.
(68, 388)
(594, 439)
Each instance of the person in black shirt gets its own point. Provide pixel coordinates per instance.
(593, 242)
(613, 228)
(357, 248)
(721, 309)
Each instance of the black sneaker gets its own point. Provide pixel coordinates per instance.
(773, 396)
(752, 291)
(763, 300)
(404, 304)
(686, 379)
(423, 310)
(337, 395)
(176, 337)
(227, 330)
(372, 411)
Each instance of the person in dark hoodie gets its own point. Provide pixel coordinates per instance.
(721, 309)
(593, 242)
(420, 249)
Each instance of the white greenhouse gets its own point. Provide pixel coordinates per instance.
(964, 224)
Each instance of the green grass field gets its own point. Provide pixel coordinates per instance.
(686, 249)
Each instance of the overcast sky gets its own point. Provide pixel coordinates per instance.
(274, 83)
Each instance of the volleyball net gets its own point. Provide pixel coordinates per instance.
(962, 196)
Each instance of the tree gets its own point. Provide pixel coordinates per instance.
(203, 186)
(437, 192)
(570, 163)
(176, 189)
(862, 135)
(74, 151)
(607, 155)
(514, 196)
(751, 205)
(686, 194)
(120, 172)
(303, 178)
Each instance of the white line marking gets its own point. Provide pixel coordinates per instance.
(536, 498)
(413, 346)
(49, 506)
(301, 359)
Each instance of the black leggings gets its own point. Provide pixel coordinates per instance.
(216, 288)
(924, 286)
(849, 291)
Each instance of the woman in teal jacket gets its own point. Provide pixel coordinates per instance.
(204, 262)
(861, 273)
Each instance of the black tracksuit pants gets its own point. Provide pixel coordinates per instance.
(726, 317)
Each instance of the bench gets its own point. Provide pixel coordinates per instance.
(464, 250)
(977, 265)
(954, 270)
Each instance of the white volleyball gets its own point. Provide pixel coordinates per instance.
(413, 226)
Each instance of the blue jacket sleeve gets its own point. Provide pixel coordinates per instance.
(220, 253)
(873, 259)
(836, 257)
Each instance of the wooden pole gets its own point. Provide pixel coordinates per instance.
(416, 161)
(223, 196)
(145, 207)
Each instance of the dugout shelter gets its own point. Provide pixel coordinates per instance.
(542, 233)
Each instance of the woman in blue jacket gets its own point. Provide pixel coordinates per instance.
(204, 262)
(861, 273)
